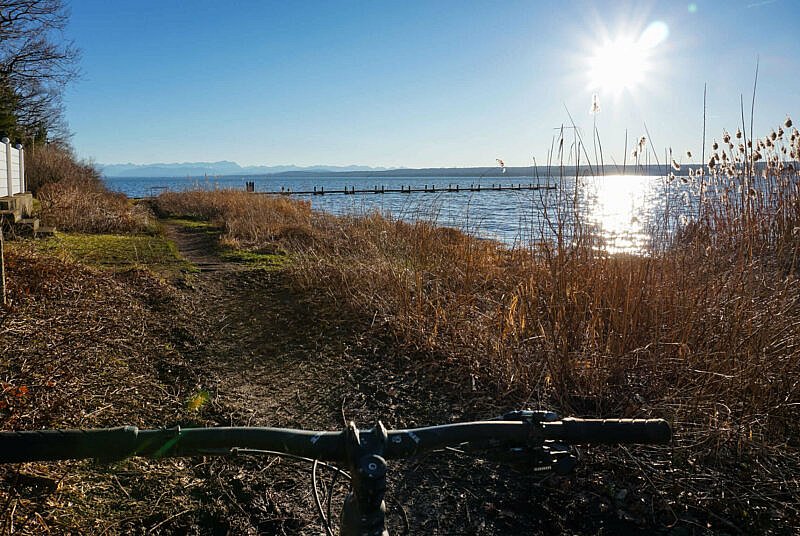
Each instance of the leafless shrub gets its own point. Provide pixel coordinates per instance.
(74, 198)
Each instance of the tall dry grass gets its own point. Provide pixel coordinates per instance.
(74, 198)
(53, 163)
(249, 221)
(703, 330)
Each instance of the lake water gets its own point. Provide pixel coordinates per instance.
(625, 209)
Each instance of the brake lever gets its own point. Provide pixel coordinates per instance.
(537, 456)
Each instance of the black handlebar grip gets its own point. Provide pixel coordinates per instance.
(42, 445)
(611, 430)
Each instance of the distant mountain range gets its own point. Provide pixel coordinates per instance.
(221, 168)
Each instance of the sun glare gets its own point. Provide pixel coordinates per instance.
(623, 63)
(617, 66)
(616, 203)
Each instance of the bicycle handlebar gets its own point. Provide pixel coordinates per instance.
(582, 431)
(123, 442)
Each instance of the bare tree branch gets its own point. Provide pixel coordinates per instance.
(36, 63)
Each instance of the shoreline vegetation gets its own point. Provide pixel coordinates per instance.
(703, 330)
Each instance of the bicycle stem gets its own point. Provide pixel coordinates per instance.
(364, 510)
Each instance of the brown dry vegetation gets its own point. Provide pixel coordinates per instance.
(86, 347)
(704, 332)
(74, 198)
(249, 222)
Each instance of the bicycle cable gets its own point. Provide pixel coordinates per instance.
(315, 493)
(329, 499)
(332, 467)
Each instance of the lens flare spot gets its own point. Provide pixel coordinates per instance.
(198, 400)
(655, 34)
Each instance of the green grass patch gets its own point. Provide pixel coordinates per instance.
(265, 261)
(192, 223)
(120, 251)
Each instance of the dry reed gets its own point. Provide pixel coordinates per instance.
(250, 221)
(74, 198)
(703, 330)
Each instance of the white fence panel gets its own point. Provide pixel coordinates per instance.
(16, 179)
(3, 172)
(12, 169)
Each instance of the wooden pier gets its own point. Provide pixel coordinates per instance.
(426, 189)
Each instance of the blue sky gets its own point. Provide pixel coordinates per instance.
(418, 84)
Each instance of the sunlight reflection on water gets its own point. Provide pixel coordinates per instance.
(624, 210)
(621, 207)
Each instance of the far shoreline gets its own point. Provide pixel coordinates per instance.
(530, 172)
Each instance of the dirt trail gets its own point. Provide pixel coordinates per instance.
(262, 344)
(272, 356)
(197, 246)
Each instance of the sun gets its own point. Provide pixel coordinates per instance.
(623, 63)
(617, 66)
